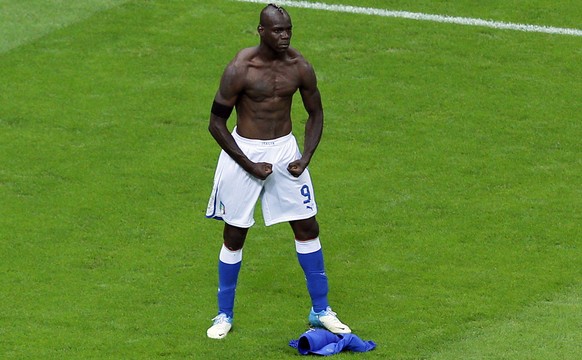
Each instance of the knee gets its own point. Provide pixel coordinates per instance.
(305, 229)
(234, 237)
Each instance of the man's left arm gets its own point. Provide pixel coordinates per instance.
(314, 125)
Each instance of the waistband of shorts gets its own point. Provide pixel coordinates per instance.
(259, 142)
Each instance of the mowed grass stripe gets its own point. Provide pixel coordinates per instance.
(547, 329)
(24, 21)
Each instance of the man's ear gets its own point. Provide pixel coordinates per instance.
(260, 28)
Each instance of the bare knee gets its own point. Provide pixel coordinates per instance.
(305, 229)
(234, 237)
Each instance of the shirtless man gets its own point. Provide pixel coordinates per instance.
(261, 159)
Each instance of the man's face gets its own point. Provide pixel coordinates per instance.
(276, 31)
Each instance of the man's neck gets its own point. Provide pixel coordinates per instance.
(269, 54)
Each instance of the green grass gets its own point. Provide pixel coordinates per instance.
(448, 182)
(25, 22)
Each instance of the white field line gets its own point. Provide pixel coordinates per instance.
(425, 17)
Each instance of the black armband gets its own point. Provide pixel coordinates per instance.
(222, 111)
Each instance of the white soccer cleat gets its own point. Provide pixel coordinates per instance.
(327, 319)
(221, 327)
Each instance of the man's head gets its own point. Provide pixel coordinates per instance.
(275, 28)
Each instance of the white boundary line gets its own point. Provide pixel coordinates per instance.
(425, 17)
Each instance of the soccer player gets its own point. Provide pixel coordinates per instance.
(261, 159)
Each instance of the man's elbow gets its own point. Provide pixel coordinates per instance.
(216, 125)
(212, 128)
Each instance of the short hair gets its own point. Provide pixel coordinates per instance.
(277, 7)
(271, 7)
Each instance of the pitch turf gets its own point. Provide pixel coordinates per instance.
(448, 179)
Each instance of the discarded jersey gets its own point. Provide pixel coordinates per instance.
(324, 342)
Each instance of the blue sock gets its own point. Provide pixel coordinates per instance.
(229, 265)
(310, 258)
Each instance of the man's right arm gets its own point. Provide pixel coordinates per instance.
(231, 85)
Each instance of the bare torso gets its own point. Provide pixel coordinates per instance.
(264, 103)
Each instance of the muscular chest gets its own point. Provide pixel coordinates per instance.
(271, 82)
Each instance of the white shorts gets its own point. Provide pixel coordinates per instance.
(283, 196)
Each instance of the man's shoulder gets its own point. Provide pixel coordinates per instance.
(298, 60)
(246, 54)
(240, 63)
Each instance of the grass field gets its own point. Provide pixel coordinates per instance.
(449, 181)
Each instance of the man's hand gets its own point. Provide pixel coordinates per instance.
(296, 167)
(261, 170)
